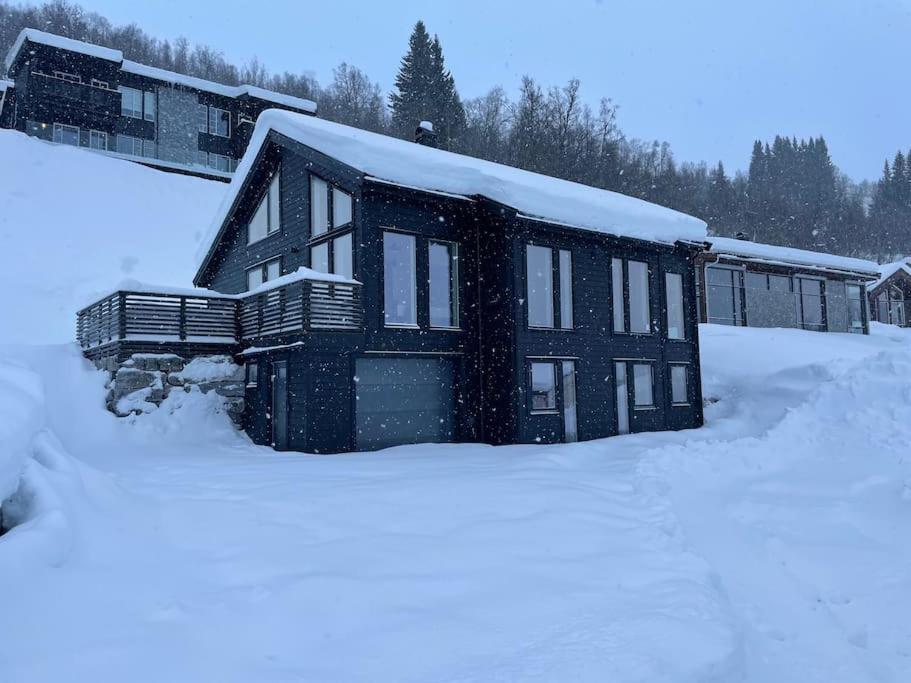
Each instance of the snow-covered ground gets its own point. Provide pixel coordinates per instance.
(771, 545)
(75, 223)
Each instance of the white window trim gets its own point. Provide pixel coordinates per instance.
(414, 280)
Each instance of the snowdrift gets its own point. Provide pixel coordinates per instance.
(74, 223)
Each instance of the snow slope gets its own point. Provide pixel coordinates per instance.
(74, 223)
(771, 545)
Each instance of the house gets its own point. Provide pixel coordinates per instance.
(762, 285)
(890, 293)
(76, 93)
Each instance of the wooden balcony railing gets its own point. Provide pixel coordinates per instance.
(301, 306)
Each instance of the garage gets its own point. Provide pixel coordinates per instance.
(404, 401)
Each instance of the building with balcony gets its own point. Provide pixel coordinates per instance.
(76, 93)
(761, 285)
(383, 292)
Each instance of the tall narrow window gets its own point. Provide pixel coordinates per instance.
(319, 257)
(540, 286)
(855, 307)
(543, 387)
(399, 279)
(341, 208)
(679, 390)
(643, 386)
(570, 416)
(219, 122)
(639, 313)
(812, 316)
(566, 289)
(319, 206)
(202, 118)
(342, 256)
(724, 296)
(622, 397)
(149, 106)
(616, 268)
(267, 217)
(443, 258)
(673, 285)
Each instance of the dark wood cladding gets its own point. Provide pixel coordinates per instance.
(302, 307)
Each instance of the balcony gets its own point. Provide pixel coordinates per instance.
(182, 321)
(55, 91)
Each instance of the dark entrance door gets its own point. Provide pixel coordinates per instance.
(403, 401)
(280, 405)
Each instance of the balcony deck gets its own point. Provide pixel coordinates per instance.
(127, 321)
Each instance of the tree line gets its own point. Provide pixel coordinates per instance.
(791, 194)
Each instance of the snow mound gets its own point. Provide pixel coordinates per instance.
(76, 221)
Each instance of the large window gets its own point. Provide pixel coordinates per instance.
(634, 385)
(724, 296)
(679, 384)
(631, 296)
(811, 303)
(126, 144)
(130, 102)
(673, 286)
(540, 294)
(443, 262)
(219, 122)
(98, 139)
(330, 211)
(149, 106)
(399, 280)
(643, 386)
(890, 306)
(543, 387)
(267, 217)
(855, 294)
(66, 135)
(263, 272)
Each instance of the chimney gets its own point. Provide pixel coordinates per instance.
(424, 134)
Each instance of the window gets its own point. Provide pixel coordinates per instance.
(570, 416)
(539, 283)
(811, 303)
(890, 306)
(263, 272)
(343, 256)
(267, 217)
(149, 149)
(100, 84)
(66, 135)
(399, 279)
(64, 76)
(98, 139)
(149, 105)
(643, 386)
(130, 102)
(566, 289)
(679, 389)
(443, 258)
(219, 122)
(724, 296)
(127, 144)
(543, 387)
(220, 162)
(631, 296)
(202, 119)
(319, 206)
(622, 397)
(855, 307)
(673, 285)
(252, 369)
(341, 208)
(768, 282)
(319, 257)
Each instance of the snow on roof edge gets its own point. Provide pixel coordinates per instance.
(887, 270)
(602, 210)
(53, 40)
(814, 259)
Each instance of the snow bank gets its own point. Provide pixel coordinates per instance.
(77, 222)
(531, 194)
(21, 416)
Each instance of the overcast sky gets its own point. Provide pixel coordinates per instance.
(709, 76)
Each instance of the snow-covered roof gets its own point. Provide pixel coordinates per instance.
(52, 40)
(425, 168)
(770, 253)
(889, 269)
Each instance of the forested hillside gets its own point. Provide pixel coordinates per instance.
(791, 194)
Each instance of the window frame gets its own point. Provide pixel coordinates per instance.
(625, 282)
(99, 133)
(251, 375)
(264, 269)
(630, 407)
(98, 83)
(862, 295)
(823, 325)
(668, 274)
(332, 233)
(652, 376)
(67, 76)
(133, 92)
(686, 383)
(213, 130)
(267, 198)
(415, 325)
(455, 308)
(531, 363)
(557, 324)
(68, 128)
(739, 312)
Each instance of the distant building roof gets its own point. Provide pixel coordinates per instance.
(887, 270)
(43, 38)
(770, 253)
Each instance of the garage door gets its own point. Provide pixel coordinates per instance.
(403, 400)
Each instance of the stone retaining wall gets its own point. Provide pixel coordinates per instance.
(140, 383)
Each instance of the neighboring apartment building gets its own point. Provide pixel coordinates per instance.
(81, 94)
(762, 285)
(890, 295)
